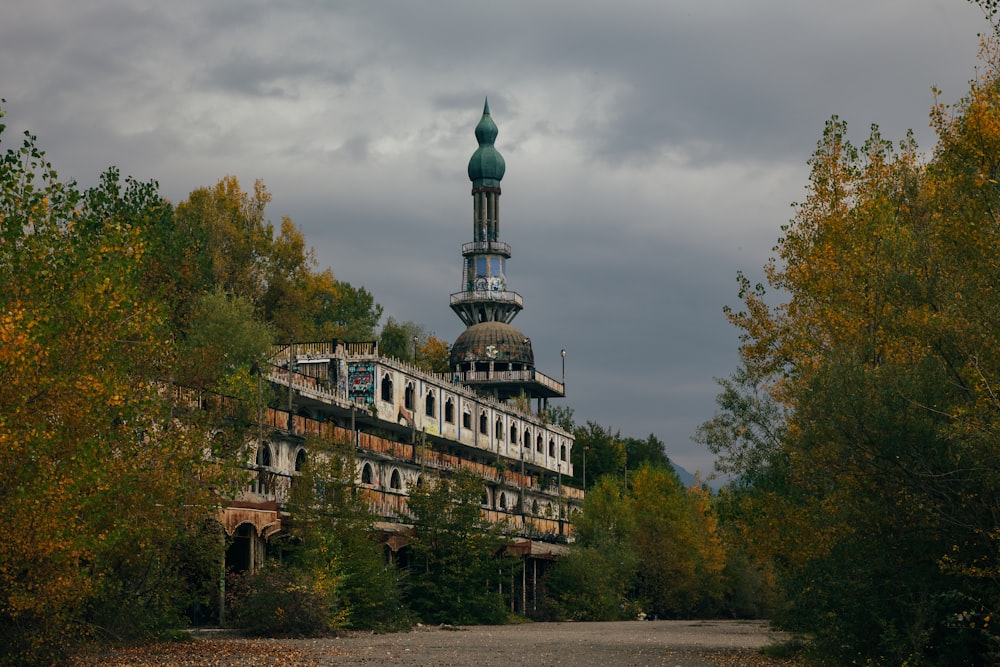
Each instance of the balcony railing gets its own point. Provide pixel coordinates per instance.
(497, 247)
(487, 295)
(473, 377)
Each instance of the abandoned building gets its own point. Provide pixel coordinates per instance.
(485, 415)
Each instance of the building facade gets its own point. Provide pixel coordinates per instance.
(408, 425)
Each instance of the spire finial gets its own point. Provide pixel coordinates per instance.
(486, 107)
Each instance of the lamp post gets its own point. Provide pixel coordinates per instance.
(414, 349)
(562, 352)
(585, 450)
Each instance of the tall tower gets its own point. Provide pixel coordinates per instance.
(491, 355)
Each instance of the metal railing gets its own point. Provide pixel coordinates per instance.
(486, 246)
(487, 295)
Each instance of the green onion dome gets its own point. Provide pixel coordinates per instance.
(486, 166)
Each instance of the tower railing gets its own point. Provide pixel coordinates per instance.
(486, 246)
(487, 295)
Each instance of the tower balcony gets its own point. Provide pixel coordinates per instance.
(491, 247)
(487, 296)
(476, 306)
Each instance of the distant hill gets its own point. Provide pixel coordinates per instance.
(687, 478)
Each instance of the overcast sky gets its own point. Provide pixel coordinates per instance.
(653, 148)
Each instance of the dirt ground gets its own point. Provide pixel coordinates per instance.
(636, 643)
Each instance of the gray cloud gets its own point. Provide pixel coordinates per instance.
(652, 148)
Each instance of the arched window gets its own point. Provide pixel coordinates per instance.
(387, 388)
(300, 460)
(396, 482)
(264, 455)
(485, 500)
(527, 438)
(538, 443)
(449, 410)
(408, 396)
(367, 476)
(498, 429)
(429, 404)
(513, 433)
(562, 453)
(552, 448)
(534, 507)
(466, 418)
(483, 426)
(264, 461)
(502, 503)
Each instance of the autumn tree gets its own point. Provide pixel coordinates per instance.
(653, 548)
(99, 477)
(433, 354)
(237, 246)
(871, 448)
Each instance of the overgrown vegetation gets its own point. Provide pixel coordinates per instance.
(862, 424)
(860, 428)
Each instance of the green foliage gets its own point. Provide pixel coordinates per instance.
(331, 524)
(586, 585)
(598, 450)
(745, 434)
(84, 429)
(457, 564)
(648, 452)
(863, 421)
(224, 341)
(617, 532)
(232, 248)
(561, 416)
(400, 340)
(282, 601)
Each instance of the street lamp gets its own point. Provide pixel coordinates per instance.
(563, 353)
(414, 349)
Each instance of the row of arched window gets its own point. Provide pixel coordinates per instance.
(430, 410)
(395, 479)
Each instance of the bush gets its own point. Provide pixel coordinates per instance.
(281, 601)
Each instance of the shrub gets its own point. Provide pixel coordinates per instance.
(281, 601)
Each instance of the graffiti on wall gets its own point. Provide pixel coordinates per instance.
(361, 382)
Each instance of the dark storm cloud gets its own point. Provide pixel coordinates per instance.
(652, 148)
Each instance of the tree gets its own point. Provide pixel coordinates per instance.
(334, 527)
(872, 451)
(650, 451)
(235, 245)
(100, 475)
(224, 342)
(603, 450)
(677, 529)
(400, 339)
(433, 355)
(653, 548)
(238, 238)
(457, 562)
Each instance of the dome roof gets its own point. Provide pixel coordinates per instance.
(492, 341)
(486, 166)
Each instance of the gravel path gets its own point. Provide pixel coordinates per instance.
(669, 643)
